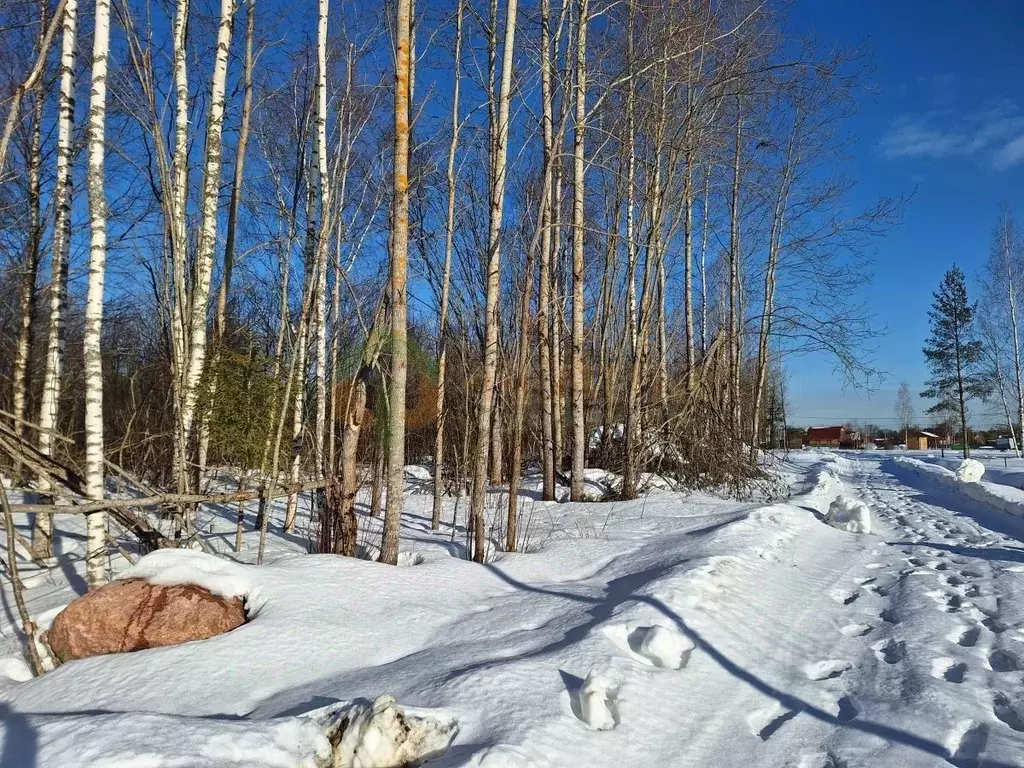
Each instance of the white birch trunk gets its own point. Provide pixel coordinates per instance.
(320, 317)
(96, 521)
(208, 224)
(53, 366)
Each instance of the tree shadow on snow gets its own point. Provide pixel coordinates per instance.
(21, 743)
(622, 590)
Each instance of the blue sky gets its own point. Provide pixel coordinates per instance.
(945, 121)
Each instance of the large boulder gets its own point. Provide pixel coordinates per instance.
(133, 614)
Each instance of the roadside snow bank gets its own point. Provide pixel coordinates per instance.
(1001, 497)
(970, 471)
(849, 514)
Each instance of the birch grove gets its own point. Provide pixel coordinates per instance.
(485, 246)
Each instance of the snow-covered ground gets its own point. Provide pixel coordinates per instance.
(676, 630)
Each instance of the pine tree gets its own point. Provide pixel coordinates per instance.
(953, 353)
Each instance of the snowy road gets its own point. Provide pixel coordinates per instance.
(942, 598)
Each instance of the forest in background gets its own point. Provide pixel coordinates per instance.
(317, 244)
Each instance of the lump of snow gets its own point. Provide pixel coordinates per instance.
(597, 696)
(665, 647)
(134, 614)
(418, 472)
(970, 471)
(171, 567)
(382, 735)
(849, 514)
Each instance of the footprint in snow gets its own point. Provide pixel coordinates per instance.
(766, 721)
(1003, 661)
(843, 596)
(890, 651)
(949, 670)
(889, 616)
(827, 669)
(856, 630)
(966, 743)
(965, 636)
(845, 709)
(1010, 712)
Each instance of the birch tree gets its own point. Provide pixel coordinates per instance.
(490, 362)
(53, 361)
(94, 474)
(449, 241)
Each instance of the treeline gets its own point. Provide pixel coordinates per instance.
(300, 241)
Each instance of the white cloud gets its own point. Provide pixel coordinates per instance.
(994, 135)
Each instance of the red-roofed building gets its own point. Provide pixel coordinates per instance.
(832, 437)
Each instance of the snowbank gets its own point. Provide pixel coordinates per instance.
(849, 514)
(970, 471)
(1001, 497)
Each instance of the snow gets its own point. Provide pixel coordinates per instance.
(171, 567)
(677, 629)
(970, 471)
(665, 647)
(597, 697)
(849, 514)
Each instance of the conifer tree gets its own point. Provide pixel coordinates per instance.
(953, 353)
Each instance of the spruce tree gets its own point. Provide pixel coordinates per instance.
(953, 353)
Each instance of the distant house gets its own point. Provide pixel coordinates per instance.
(1004, 443)
(832, 437)
(922, 441)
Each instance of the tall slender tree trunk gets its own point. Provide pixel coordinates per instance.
(27, 297)
(323, 237)
(300, 352)
(398, 288)
(775, 233)
(53, 370)
(487, 386)
(442, 320)
(200, 298)
(95, 571)
(546, 224)
(224, 293)
(579, 169)
(339, 205)
(178, 235)
(735, 254)
(706, 221)
(1012, 299)
(557, 328)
